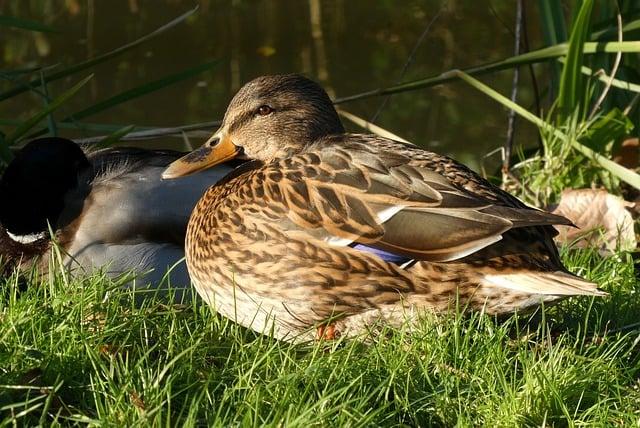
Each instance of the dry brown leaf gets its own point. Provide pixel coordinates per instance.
(602, 219)
(627, 154)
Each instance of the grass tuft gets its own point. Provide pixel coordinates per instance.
(82, 350)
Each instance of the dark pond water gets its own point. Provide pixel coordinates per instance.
(350, 46)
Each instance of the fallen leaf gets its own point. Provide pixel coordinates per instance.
(602, 219)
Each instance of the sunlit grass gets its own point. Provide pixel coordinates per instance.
(84, 351)
(67, 353)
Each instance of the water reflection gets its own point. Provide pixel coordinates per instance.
(350, 46)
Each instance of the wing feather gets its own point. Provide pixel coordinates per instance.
(393, 200)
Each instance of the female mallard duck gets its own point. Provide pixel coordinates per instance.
(335, 231)
(107, 208)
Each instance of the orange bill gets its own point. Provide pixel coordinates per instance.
(216, 150)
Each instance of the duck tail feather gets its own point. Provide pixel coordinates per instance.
(556, 283)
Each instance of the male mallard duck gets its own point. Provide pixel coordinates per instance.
(335, 231)
(107, 208)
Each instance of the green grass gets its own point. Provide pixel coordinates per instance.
(81, 351)
(68, 354)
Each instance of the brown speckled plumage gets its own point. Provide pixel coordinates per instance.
(275, 240)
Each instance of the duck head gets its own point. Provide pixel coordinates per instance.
(34, 185)
(271, 117)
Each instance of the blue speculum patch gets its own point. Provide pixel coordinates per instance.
(384, 255)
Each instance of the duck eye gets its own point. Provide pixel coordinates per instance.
(264, 110)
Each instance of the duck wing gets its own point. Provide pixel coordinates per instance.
(367, 192)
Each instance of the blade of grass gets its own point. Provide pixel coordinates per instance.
(98, 59)
(82, 126)
(572, 81)
(605, 78)
(136, 92)
(613, 30)
(116, 136)
(195, 129)
(20, 71)
(139, 132)
(16, 79)
(619, 171)
(51, 123)
(25, 126)
(606, 128)
(554, 29)
(142, 90)
(539, 55)
(370, 126)
(25, 24)
(614, 69)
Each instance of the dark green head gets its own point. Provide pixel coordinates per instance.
(34, 185)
